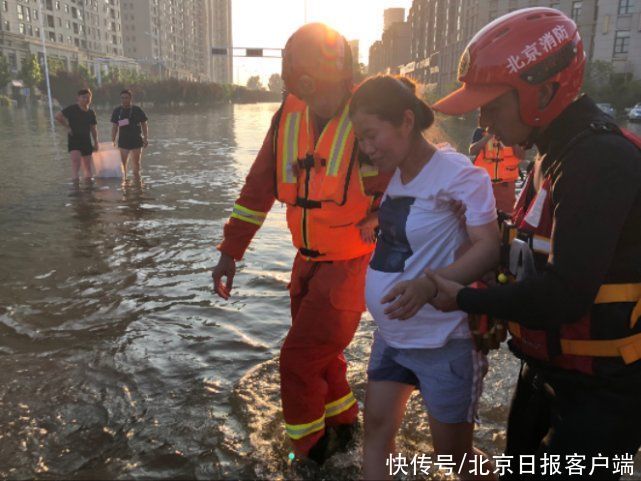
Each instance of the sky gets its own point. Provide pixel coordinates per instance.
(269, 23)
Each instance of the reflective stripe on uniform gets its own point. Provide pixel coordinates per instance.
(290, 147)
(541, 244)
(343, 130)
(340, 405)
(247, 215)
(621, 293)
(628, 348)
(297, 431)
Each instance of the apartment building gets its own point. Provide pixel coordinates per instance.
(392, 16)
(617, 35)
(441, 29)
(77, 32)
(219, 34)
(354, 46)
(394, 48)
(173, 38)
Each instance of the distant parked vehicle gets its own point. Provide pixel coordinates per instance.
(634, 115)
(607, 109)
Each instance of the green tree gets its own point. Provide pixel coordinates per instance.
(254, 83)
(275, 83)
(5, 73)
(603, 84)
(113, 76)
(86, 76)
(55, 65)
(30, 73)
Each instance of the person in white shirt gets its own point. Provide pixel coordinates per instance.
(416, 345)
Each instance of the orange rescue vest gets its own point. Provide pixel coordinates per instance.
(499, 161)
(321, 181)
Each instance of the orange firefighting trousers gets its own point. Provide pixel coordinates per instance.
(327, 300)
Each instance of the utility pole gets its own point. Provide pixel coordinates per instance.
(44, 53)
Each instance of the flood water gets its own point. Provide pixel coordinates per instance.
(116, 359)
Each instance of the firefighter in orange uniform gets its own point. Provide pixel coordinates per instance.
(502, 163)
(310, 162)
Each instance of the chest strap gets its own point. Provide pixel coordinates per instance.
(628, 348)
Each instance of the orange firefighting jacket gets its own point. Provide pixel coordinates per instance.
(326, 187)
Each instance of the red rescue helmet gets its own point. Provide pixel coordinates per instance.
(522, 50)
(316, 56)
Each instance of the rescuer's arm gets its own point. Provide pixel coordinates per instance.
(249, 212)
(593, 196)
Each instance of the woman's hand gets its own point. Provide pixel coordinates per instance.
(446, 292)
(408, 297)
(368, 226)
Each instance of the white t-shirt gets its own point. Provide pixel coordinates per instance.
(419, 229)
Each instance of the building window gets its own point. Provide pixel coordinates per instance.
(625, 7)
(21, 28)
(5, 6)
(621, 42)
(577, 6)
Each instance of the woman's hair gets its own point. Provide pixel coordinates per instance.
(388, 97)
(84, 92)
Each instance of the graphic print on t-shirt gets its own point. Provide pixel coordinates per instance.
(392, 246)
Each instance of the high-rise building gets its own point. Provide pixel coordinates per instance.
(617, 35)
(84, 33)
(172, 38)
(219, 34)
(392, 16)
(394, 48)
(354, 47)
(441, 29)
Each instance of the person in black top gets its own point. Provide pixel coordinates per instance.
(130, 126)
(573, 247)
(80, 122)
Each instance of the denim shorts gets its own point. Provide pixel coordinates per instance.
(450, 378)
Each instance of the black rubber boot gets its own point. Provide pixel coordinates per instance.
(325, 447)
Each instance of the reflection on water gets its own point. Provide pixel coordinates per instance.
(115, 358)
